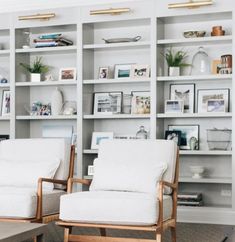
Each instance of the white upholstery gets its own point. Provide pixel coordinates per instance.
(110, 207)
(22, 202)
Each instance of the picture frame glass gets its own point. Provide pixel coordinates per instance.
(174, 106)
(140, 71)
(103, 73)
(122, 71)
(140, 102)
(67, 74)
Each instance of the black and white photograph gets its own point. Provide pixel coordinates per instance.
(216, 106)
(203, 95)
(103, 73)
(173, 135)
(185, 93)
(140, 71)
(174, 106)
(5, 102)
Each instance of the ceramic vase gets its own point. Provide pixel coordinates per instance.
(35, 77)
(174, 71)
(56, 102)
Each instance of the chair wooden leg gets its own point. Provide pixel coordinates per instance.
(173, 234)
(67, 231)
(102, 232)
(159, 237)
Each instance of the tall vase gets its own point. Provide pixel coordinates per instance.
(56, 102)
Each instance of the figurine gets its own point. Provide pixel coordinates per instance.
(49, 78)
(193, 143)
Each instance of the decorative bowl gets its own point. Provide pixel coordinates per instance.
(194, 34)
(197, 171)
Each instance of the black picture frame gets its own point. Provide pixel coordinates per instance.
(4, 137)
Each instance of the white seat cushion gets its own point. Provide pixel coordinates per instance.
(22, 202)
(109, 207)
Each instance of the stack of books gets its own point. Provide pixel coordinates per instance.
(190, 199)
(51, 40)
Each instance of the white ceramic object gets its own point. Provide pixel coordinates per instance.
(197, 171)
(56, 102)
(35, 77)
(174, 71)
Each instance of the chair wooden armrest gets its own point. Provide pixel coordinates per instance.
(168, 184)
(71, 181)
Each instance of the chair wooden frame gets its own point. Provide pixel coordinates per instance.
(39, 218)
(158, 228)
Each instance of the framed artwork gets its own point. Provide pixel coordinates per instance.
(216, 66)
(216, 105)
(203, 95)
(97, 137)
(173, 135)
(107, 103)
(4, 137)
(103, 73)
(140, 102)
(68, 73)
(174, 106)
(122, 71)
(140, 71)
(5, 102)
(187, 132)
(185, 93)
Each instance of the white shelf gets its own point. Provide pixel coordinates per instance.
(47, 49)
(50, 117)
(4, 52)
(4, 118)
(194, 115)
(88, 177)
(117, 45)
(4, 85)
(195, 78)
(117, 116)
(46, 83)
(206, 152)
(87, 151)
(195, 41)
(113, 81)
(215, 180)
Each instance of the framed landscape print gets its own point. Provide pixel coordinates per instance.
(97, 137)
(185, 93)
(122, 71)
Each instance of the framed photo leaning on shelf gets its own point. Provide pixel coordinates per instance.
(5, 110)
(68, 73)
(97, 137)
(122, 71)
(187, 132)
(104, 73)
(140, 102)
(186, 93)
(174, 106)
(140, 71)
(203, 95)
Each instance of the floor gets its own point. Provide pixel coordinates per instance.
(185, 233)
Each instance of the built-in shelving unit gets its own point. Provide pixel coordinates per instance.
(194, 115)
(116, 81)
(47, 49)
(206, 180)
(51, 117)
(45, 83)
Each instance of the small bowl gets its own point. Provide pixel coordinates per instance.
(194, 34)
(197, 171)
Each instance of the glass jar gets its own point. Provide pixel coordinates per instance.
(200, 63)
(142, 133)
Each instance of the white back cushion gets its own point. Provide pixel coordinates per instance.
(36, 150)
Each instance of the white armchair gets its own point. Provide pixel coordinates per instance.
(134, 187)
(33, 176)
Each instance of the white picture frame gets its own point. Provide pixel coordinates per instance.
(122, 71)
(6, 98)
(140, 71)
(174, 106)
(90, 170)
(141, 102)
(104, 73)
(68, 74)
(97, 137)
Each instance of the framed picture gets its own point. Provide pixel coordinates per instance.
(67, 73)
(185, 93)
(173, 135)
(216, 66)
(107, 102)
(122, 71)
(4, 137)
(174, 106)
(103, 73)
(140, 102)
(187, 132)
(97, 137)
(216, 105)
(140, 71)
(5, 102)
(203, 95)
(90, 171)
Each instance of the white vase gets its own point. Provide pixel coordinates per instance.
(56, 102)
(35, 77)
(174, 71)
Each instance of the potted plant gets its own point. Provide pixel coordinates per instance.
(175, 61)
(36, 69)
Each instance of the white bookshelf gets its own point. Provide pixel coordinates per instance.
(117, 116)
(206, 152)
(194, 115)
(116, 81)
(47, 49)
(4, 118)
(45, 117)
(46, 83)
(4, 85)
(4, 52)
(219, 180)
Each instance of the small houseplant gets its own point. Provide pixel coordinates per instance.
(36, 69)
(175, 60)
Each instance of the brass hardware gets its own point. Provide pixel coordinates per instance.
(112, 11)
(45, 16)
(190, 4)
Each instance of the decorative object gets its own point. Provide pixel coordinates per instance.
(140, 102)
(142, 133)
(226, 64)
(203, 95)
(4, 137)
(107, 103)
(122, 40)
(97, 137)
(36, 69)
(69, 108)
(197, 171)
(173, 135)
(56, 101)
(194, 34)
(217, 31)
(5, 102)
(90, 171)
(49, 77)
(175, 61)
(3, 80)
(140, 71)
(216, 66)
(38, 108)
(103, 72)
(174, 106)
(122, 71)
(67, 73)
(200, 63)
(187, 132)
(219, 139)
(184, 92)
(216, 105)
(126, 103)
(193, 143)
(26, 35)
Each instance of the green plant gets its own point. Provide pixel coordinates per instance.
(36, 67)
(175, 59)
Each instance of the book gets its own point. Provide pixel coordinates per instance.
(49, 36)
(190, 203)
(189, 196)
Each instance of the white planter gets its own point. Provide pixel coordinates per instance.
(35, 77)
(174, 71)
(56, 102)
